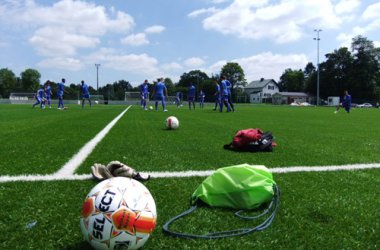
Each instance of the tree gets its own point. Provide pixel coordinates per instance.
(365, 70)
(208, 87)
(292, 81)
(169, 85)
(120, 88)
(8, 82)
(336, 73)
(235, 74)
(309, 69)
(30, 80)
(195, 76)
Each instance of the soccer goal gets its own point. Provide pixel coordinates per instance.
(132, 96)
(172, 100)
(22, 98)
(97, 98)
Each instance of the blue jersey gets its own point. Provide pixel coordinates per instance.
(192, 91)
(40, 93)
(202, 95)
(218, 92)
(159, 89)
(85, 89)
(61, 87)
(346, 101)
(229, 86)
(144, 89)
(224, 87)
(48, 91)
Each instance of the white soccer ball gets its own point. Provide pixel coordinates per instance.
(151, 107)
(171, 122)
(96, 102)
(118, 213)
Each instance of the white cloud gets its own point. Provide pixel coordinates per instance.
(71, 24)
(171, 66)
(47, 43)
(199, 12)
(219, 1)
(282, 22)
(347, 6)
(266, 65)
(372, 12)
(135, 40)
(61, 63)
(345, 39)
(194, 62)
(155, 29)
(269, 65)
(136, 64)
(215, 67)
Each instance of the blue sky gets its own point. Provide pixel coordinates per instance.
(147, 39)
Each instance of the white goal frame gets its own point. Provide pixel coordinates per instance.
(22, 98)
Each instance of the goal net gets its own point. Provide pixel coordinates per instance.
(97, 99)
(135, 98)
(172, 100)
(22, 98)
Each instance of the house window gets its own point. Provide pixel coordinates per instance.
(270, 87)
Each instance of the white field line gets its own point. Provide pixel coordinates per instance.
(69, 168)
(280, 170)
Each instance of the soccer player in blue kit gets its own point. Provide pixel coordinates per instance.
(144, 91)
(191, 95)
(218, 97)
(61, 89)
(159, 93)
(48, 93)
(202, 99)
(178, 97)
(346, 104)
(40, 99)
(224, 90)
(85, 93)
(229, 86)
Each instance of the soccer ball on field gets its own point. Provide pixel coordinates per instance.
(151, 107)
(171, 122)
(118, 213)
(96, 102)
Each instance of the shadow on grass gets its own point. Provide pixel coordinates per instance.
(80, 245)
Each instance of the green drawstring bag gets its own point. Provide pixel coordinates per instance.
(241, 187)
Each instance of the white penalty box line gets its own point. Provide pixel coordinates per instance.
(182, 174)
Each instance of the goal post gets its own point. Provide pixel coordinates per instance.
(22, 98)
(133, 96)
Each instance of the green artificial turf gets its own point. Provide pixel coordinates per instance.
(318, 210)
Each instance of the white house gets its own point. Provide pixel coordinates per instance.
(261, 91)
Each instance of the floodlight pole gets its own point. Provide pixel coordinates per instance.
(198, 81)
(97, 65)
(317, 39)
